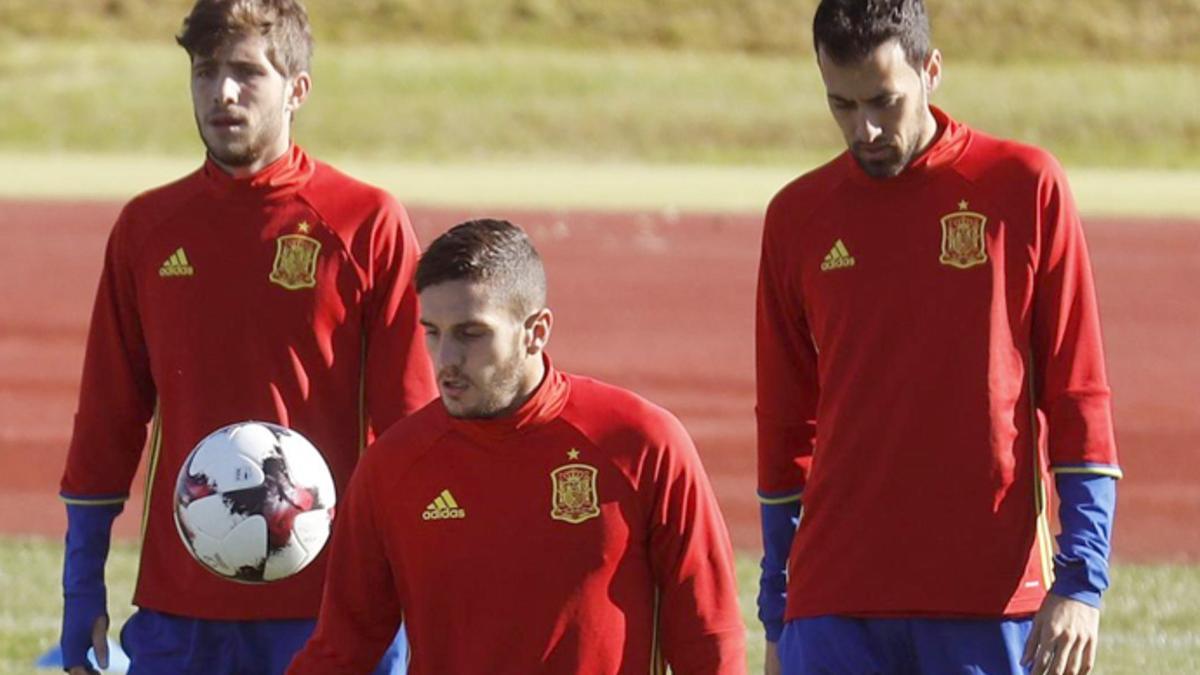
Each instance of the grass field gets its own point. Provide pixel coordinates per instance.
(1142, 193)
(539, 104)
(1004, 30)
(1151, 624)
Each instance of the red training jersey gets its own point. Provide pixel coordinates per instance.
(927, 345)
(284, 297)
(578, 536)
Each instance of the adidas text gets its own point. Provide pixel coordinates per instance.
(443, 514)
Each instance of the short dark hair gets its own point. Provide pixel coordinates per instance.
(490, 251)
(284, 24)
(849, 30)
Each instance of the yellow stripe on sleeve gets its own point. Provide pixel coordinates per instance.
(788, 499)
(1110, 471)
(94, 502)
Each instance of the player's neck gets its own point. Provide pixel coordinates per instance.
(929, 133)
(534, 372)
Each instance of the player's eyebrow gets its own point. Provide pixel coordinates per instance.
(457, 326)
(878, 98)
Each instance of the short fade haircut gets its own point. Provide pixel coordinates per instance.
(489, 251)
(284, 24)
(849, 30)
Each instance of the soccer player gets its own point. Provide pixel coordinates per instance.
(928, 347)
(265, 285)
(530, 521)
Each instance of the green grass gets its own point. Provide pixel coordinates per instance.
(612, 186)
(470, 104)
(1151, 623)
(993, 30)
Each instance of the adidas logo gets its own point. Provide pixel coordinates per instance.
(444, 508)
(837, 258)
(177, 265)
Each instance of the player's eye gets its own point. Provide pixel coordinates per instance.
(248, 71)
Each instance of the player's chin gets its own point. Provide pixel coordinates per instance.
(230, 153)
(456, 406)
(881, 168)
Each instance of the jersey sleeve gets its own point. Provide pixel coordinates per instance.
(117, 392)
(786, 368)
(700, 625)
(360, 611)
(398, 374)
(1069, 372)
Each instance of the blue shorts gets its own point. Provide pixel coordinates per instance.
(835, 645)
(165, 644)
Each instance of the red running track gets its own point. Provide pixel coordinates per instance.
(660, 303)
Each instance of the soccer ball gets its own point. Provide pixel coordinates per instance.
(254, 501)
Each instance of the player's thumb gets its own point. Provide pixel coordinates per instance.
(100, 641)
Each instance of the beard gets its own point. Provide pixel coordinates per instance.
(885, 165)
(245, 148)
(495, 396)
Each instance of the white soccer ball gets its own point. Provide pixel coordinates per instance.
(254, 501)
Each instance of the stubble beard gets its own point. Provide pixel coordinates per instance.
(247, 150)
(497, 394)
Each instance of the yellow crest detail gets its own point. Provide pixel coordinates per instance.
(295, 261)
(575, 497)
(963, 243)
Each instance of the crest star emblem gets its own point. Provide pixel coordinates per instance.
(572, 454)
(304, 227)
(962, 205)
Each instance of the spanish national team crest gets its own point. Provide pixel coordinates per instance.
(575, 497)
(295, 261)
(963, 243)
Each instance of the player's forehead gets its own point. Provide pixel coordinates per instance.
(884, 71)
(460, 302)
(236, 48)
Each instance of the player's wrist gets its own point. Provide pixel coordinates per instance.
(1073, 589)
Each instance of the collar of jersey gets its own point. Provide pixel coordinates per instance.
(280, 178)
(543, 407)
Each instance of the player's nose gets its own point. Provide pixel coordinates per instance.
(448, 355)
(866, 129)
(229, 91)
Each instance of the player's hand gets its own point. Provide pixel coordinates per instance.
(1063, 639)
(771, 663)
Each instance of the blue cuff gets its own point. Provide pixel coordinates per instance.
(89, 530)
(779, 523)
(1087, 505)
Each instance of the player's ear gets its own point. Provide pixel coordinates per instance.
(537, 330)
(931, 71)
(299, 86)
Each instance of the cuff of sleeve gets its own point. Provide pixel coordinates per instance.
(1086, 596)
(773, 630)
(1071, 580)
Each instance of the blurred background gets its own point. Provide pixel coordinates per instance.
(644, 136)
